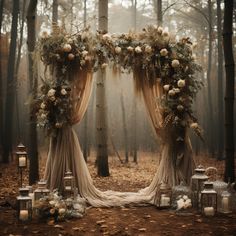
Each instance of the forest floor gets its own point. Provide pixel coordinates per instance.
(119, 221)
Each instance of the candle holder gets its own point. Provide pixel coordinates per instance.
(24, 206)
(208, 200)
(226, 202)
(41, 191)
(163, 196)
(21, 155)
(69, 185)
(197, 182)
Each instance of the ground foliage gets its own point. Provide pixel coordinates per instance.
(118, 220)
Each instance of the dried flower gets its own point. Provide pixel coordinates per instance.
(63, 92)
(194, 125)
(117, 49)
(104, 65)
(52, 98)
(62, 211)
(138, 49)
(165, 34)
(160, 30)
(171, 92)
(148, 49)
(58, 125)
(180, 108)
(67, 47)
(84, 53)
(175, 63)
(43, 116)
(181, 83)
(130, 49)
(43, 105)
(51, 92)
(71, 56)
(44, 34)
(177, 90)
(52, 211)
(166, 87)
(164, 52)
(107, 37)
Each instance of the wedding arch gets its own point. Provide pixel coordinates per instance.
(163, 70)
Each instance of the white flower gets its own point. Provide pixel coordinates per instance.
(165, 34)
(138, 49)
(67, 47)
(51, 92)
(194, 57)
(117, 49)
(84, 53)
(70, 40)
(148, 49)
(194, 125)
(58, 125)
(104, 65)
(42, 106)
(130, 49)
(164, 52)
(177, 90)
(106, 37)
(185, 197)
(61, 211)
(82, 62)
(180, 108)
(166, 87)
(171, 92)
(52, 202)
(71, 56)
(160, 30)
(181, 83)
(63, 92)
(43, 116)
(175, 63)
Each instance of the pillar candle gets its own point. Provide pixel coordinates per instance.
(24, 214)
(22, 161)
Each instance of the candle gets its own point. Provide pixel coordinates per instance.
(165, 201)
(209, 211)
(68, 188)
(225, 204)
(24, 214)
(31, 195)
(22, 161)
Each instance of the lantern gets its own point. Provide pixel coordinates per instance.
(163, 197)
(208, 200)
(69, 184)
(41, 191)
(197, 182)
(21, 156)
(226, 202)
(24, 205)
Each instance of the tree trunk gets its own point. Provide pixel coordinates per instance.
(10, 95)
(229, 92)
(33, 146)
(125, 129)
(220, 84)
(85, 13)
(210, 114)
(159, 12)
(101, 113)
(134, 151)
(55, 11)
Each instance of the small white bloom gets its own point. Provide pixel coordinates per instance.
(160, 30)
(117, 49)
(107, 37)
(84, 53)
(181, 83)
(43, 116)
(194, 125)
(130, 49)
(180, 108)
(58, 125)
(52, 202)
(177, 90)
(51, 92)
(164, 52)
(166, 87)
(70, 40)
(42, 106)
(61, 211)
(148, 49)
(175, 63)
(67, 47)
(194, 57)
(165, 34)
(171, 92)
(138, 49)
(82, 62)
(63, 92)
(104, 65)
(71, 56)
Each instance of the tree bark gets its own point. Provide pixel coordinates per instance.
(210, 115)
(159, 12)
(85, 13)
(229, 92)
(55, 11)
(33, 146)
(10, 95)
(101, 112)
(135, 155)
(125, 129)
(220, 84)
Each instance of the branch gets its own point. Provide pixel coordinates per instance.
(165, 10)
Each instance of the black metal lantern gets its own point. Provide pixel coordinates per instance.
(24, 205)
(208, 200)
(197, 182)
(163, 196)
(69, 185)
(21, 156)
(41, 191)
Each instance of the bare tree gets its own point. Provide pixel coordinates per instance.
(159, 12)
(10, 95)
(33, 146)
(229, 92)
(101, 114)
(55, 11)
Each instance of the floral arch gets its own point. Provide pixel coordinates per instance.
(163, 70)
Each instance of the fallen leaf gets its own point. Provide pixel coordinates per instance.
(142, 229)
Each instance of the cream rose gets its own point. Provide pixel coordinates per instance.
(130, 49)
(194, 125)
(175, 63)
(181, 83)
(138, 49)
(63, 92)
(171, 92)
(71, 56)
(166, 87)
(160, 30)
(180, 108)
(51, 92)
(164, 52)
(117, 50)
(43, 105)
(148, 49)
(67, 47)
